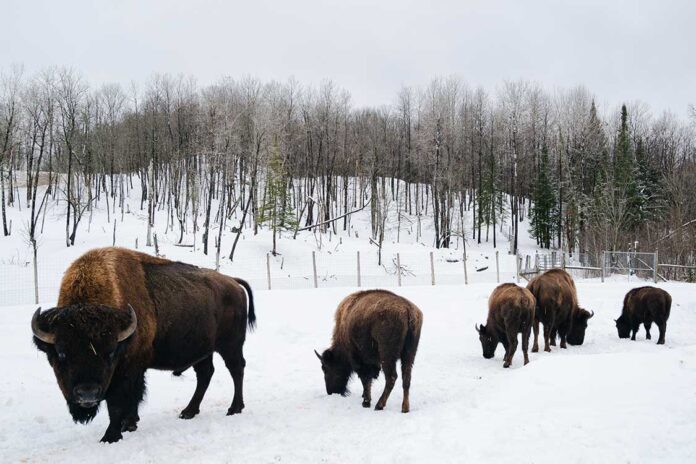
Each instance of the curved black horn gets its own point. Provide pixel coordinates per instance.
(318, 355)
(478, 329)
(131, 327)
(591, 315)
(45, 337)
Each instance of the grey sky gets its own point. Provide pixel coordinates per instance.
(620, 50)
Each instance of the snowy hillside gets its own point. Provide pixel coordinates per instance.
(335, 255)
(608, 401)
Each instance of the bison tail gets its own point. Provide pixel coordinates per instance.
(251, 316)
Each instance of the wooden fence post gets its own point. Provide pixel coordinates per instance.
(497, 268)
(358, 269)
(268, 269)
(398, 269)
(519, 264)
(432, 269)
(604, 259)
(314, 268)
(466, 277)
(655, 268)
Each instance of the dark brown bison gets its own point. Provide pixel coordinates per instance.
(557, 308)
(121, 312)
(510, 311)
(374, 329)
(644, 305)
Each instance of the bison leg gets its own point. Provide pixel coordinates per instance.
(634, 331)
(552, 338)
(547, 335)
(647, 325)
(512, 342)
(390, 376)
(563, 340)
(204, 372)
(535, 345)
(367, 390)
(525, 344)
(122, 402)
(406, 368)
(662, 327)
(235, 362)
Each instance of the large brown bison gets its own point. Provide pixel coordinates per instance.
(374, 329)
(510, 311)
(121, 312)
(644, 305)
(557, 308)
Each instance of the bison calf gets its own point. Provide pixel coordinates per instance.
(644, 305)
(373, 330)
(510, 311)
(121, 312)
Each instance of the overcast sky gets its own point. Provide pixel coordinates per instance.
(620, 50)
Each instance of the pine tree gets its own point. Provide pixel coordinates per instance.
(543, 214)
(623, 160)
(276, 211)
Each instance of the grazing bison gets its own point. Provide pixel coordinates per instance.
(644, 305)
(374, 329)
(510, 311)
(557, 308)
(121, 312)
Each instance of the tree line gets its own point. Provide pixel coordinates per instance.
(287, 156)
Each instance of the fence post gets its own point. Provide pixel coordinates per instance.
(604, 256)
(432, 269)
(358, 268)
(314, 268)
(519, 263)
(268, 270)
(546, 264)
(466, 277)
(36, 279)
(553, 259)
(655, 268)
(497, 268)
(563, 262)
(398, 269)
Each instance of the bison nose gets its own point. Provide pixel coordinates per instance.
(87, 392)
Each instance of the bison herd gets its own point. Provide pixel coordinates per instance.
(121, 312)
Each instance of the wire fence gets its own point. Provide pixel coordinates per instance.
(322, 269)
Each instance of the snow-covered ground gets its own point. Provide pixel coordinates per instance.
(608, 401)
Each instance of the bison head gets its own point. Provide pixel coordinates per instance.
(578, 326)
(623, 327)
(337, 371)
(83, 344)
(489, 340)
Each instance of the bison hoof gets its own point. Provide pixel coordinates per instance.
(553, 342)
(188, 413)
(366, 403)
(379, 407)
(535, 349)
(129, 426)
(506, 364)
(547, 349)
(235, 409)
(660, 342)
(111, 437)
(404, 409)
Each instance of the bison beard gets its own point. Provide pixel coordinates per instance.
(100, 347)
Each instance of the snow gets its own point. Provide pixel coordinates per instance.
(607, 401)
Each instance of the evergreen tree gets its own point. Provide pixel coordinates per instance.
(276, 211)
(623, 160)
(543, 213)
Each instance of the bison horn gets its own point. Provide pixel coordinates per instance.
(131, 327)
(318, 355)
(45, 337)
(591, 315)
(478, 329)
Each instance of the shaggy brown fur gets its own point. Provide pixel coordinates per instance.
(644, 305)
(373, 330)
(557, 308)
(510, 311)
(184, 314)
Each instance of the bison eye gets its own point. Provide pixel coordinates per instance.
(61, 356)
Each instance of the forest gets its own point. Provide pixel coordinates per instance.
(288, 156)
